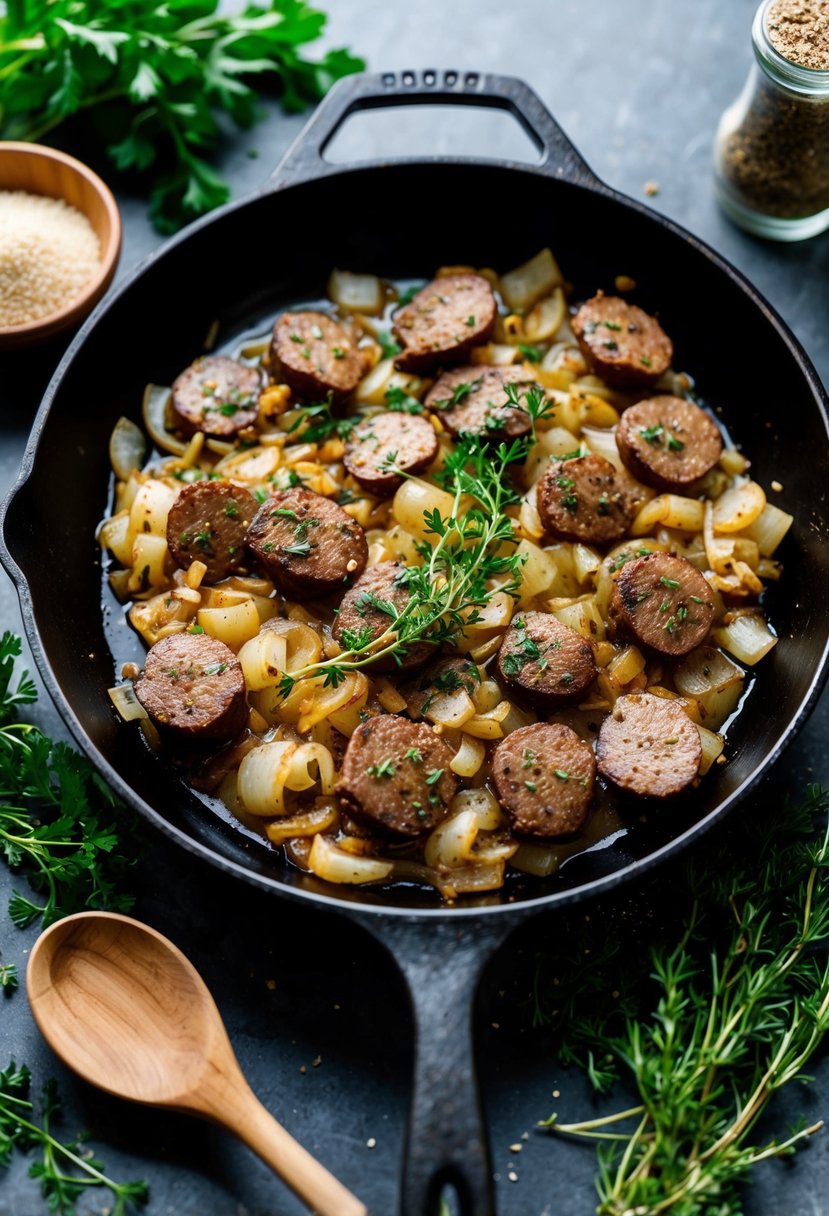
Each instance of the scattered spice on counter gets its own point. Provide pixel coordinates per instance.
(48, 254)
(799, 30)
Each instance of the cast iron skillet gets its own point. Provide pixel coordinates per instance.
(401, 219)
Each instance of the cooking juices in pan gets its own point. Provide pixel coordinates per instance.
(440, 581)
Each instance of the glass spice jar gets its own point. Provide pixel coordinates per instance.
(771, 152)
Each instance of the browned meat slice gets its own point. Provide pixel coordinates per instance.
(193, 688)
(308, 545)
(649, 746)
(623, 344)
(472, 400)
(444, 321)
(315, 355)
(217, 395)
(544, 776)
(444, 677)
(384, 584)
(668, 443)
(544, 659)
(663, 602)
(386, 442)
(586, 499)
(208, 522)
(396, 776)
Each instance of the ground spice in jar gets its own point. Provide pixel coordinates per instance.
(773, 144)
(799, 30)
(48, 253)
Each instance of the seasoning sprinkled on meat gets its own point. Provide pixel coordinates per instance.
(649, 746)
(544, 776)
(443, 321)
(622, 344)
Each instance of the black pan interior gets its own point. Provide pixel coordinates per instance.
(403, 221)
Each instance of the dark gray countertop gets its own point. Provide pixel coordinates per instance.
(638, 85)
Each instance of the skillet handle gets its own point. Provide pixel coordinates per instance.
(446, 1142)
(305, 159)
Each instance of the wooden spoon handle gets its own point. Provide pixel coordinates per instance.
(252, 1123)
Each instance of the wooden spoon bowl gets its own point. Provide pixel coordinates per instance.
(41, 170)
(126, 1010)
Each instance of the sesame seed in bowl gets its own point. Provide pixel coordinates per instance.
(60, 237)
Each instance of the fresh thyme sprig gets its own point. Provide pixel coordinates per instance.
(736, 1004)
(460, 563)
(464, 559)
(65, 1170)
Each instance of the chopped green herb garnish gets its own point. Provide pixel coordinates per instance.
(530, 352)
(669, 582)
(386, 768)
(531, 786)
(434, 775)
(561, 774)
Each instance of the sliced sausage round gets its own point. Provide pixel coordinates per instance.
(447, 676)
(444, 321)
(308, 545)
(208, 522)
(663, 602)
(473, 401)
(544, 776)
(387, 442)
(193, 688)
(217, 395)
(315, 355)
(668, 442)
(623, 344)
(586, 499)
(544, 659)
(384, 584)
(396, 776)
(649, 746)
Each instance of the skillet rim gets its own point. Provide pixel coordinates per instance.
(355, 908)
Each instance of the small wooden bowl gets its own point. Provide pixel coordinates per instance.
(41, 170)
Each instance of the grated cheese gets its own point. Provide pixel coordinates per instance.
(48, 254)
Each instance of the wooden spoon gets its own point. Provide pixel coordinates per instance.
(124, 1008)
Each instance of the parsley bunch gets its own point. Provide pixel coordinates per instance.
(154, 78)
(729, 1005)
(65, 1170)
(60, 825)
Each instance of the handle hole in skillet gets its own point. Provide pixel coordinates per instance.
(430, 130)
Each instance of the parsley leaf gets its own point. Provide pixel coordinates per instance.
(157, 80)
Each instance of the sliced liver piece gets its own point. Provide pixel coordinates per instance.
(308, 545)
(444, 321)
(668, 443)
(663, 602)
(649, 746)
(624, 345)
(544, 776)
(396, 776)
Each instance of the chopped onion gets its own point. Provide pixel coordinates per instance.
(747, 637)
(527, 283)
(542, 322)
(307, 823)
(485, 806)
(739, 507)
(469, 757)
(356, 292)
(769, 528)
(710, 678)
(712, 748)
(126, 702)
(127, 448)
(336, 865)
(154, 411)
(450, 845)
(538, 859)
